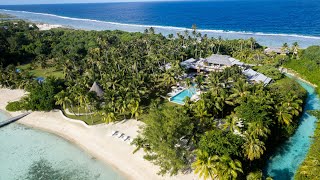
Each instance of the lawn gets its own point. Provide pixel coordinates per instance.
(307, 69)
(89, 119)
(39, 72)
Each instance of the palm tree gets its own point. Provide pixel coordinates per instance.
(228, 168)
(231, 123)
(134, 107)
(285, 48)
(284, 116)
(215, 167)
(310, 168)
(258, 129)
(289, 106)
(62, 98)
(295, 49)
(199, 80)
(253, 148)
(257, 175)
(200, 110)
(240, 91)
(204, 167)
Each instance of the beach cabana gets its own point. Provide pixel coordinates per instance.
(97, 89)
(276, 50)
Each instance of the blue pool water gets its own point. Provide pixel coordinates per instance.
(290, 155)
(179, 98)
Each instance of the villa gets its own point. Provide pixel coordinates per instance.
(256, 77)
(275, 50)
(213, 63)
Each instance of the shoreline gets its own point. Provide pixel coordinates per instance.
(94, 140)
(265, 39)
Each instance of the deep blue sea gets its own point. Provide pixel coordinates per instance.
(277, 20)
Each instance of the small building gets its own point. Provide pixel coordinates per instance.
(256, 77)
(97, 89)
(214, 62)
(218, 60)
(276, 50)
(189, 63)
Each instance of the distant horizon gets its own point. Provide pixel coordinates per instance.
(47, 2)
(18, 2)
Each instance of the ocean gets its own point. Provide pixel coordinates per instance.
(271, 22)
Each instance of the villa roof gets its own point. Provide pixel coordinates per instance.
(256, 76)
(189, 63)
(219, 59)
(277, 50)
(236, 62)
(97, 89)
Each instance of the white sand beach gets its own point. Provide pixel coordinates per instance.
(96, 140)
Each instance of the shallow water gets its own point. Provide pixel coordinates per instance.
(27, 153)
(290, 155)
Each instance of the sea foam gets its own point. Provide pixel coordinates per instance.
(268, 39)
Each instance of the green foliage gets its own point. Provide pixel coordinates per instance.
(312, 53)
(308, 65)
(15, 106)
(230, 120)
(315, 113)
(221, 143)
(287, 85)
(163, 132)
(41, 95)
(271, 72)
(310, 167)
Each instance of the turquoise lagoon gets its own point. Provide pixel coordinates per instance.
(179, 98)
(284, 164)
(27, 153)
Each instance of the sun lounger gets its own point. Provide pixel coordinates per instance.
(120, 135)
(124, 138)
(114, 133)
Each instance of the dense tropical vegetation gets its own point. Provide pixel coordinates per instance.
(308, 65)
(229, 130)
(227, 134)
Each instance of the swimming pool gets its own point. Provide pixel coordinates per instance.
(179, 98)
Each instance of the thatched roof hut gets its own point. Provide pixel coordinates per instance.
(97, 89)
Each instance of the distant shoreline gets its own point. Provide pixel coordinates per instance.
(266, 39)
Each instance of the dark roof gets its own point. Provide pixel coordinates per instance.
(97, 89)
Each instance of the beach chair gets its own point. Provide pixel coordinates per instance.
(124, 138)
(120, 135)
(114, 133)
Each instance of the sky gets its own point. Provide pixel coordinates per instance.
(15, 2)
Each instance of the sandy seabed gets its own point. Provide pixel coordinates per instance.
(96, 140)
